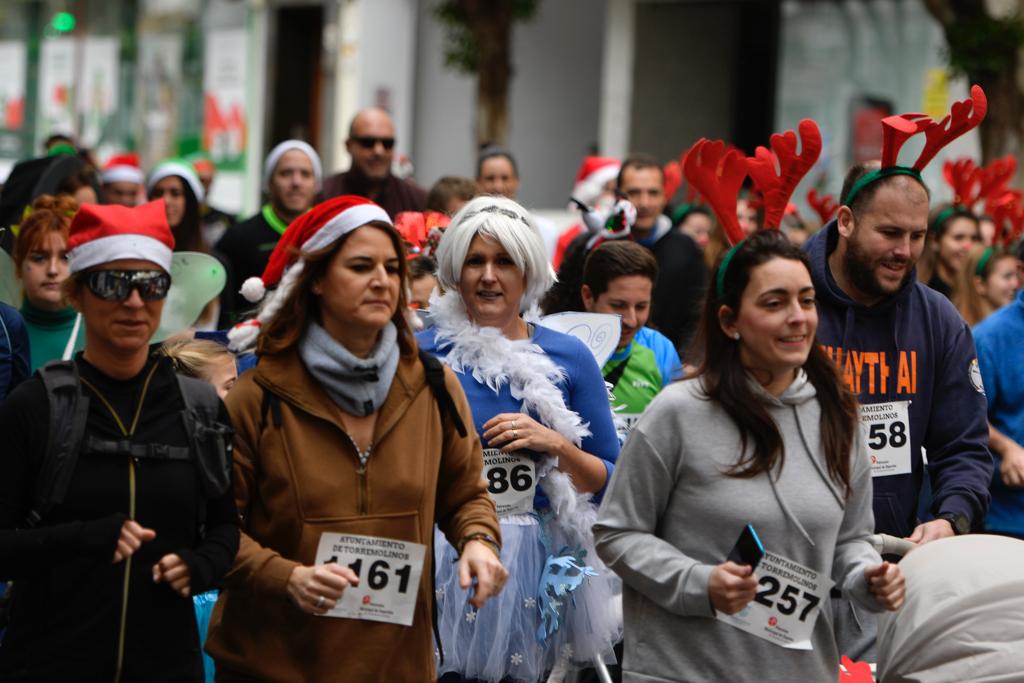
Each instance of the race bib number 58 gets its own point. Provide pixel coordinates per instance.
(788, 601)
(389, 576)
(885, 428)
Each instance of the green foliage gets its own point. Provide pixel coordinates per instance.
(462, 49)
(982, 45)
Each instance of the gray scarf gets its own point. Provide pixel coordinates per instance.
(358, 385)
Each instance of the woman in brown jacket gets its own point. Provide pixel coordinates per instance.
(343, 463)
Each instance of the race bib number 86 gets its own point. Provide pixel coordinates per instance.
(511, 481)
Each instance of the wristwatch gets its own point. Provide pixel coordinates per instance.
(959, 522)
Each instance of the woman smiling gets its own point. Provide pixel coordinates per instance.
(766, 435)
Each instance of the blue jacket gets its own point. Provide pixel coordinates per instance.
(1001, 355)
(912, 346)
(15, 358)
(664, 352)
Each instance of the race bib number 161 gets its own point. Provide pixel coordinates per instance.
(389, 576)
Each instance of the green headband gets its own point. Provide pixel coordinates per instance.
(876, 175)
(724, 268)
(945, 215)
(681, 212)
(983, 262)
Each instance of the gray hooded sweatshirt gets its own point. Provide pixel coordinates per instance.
(670, 515)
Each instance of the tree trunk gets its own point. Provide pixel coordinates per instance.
(491, 23)
(1002, 131)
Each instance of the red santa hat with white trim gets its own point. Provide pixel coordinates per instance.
(123, 168)
(101, 233)
(593, 174)
(318, 228)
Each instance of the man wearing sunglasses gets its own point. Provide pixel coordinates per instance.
(371, 143)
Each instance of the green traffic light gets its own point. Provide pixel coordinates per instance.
(63, 22)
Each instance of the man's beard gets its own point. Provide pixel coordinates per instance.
(860, 270)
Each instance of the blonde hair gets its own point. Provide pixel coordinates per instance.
(194, 357)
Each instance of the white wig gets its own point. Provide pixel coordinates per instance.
(510, 225)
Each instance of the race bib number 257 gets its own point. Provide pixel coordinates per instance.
(789, 599)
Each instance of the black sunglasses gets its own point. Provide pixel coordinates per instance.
(117, 285)
(371, 142)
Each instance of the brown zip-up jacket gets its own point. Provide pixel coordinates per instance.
(295, 482)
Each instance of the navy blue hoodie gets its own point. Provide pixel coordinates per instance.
(912, 346)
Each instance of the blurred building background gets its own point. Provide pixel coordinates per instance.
(233, 77)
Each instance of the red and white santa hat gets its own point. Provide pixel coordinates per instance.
(123, 168)
(101, 233)
(593, 174)
(320, 227)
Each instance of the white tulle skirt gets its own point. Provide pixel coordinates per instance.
(501, 641)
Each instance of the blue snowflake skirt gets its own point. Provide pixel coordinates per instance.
(500, 641)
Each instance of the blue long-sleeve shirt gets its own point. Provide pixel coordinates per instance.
(15, 356)
(583, 390)
(1001, 355)
(912, 347)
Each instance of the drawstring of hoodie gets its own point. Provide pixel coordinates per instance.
(789, 513)
(810, 454)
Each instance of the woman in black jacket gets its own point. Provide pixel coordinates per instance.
(103, 575)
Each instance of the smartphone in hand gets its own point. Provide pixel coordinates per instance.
(748, 549)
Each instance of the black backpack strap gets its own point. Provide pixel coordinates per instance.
(434, 371)
(435, 379)
(615, 375)
(69, 409)
(211, 439)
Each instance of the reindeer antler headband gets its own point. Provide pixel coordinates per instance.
(717, 172)
(896, 130)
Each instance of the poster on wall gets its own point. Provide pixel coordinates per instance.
(13, 55)
(98, 92)
(56, 86)
(159, 85)
(224, 78)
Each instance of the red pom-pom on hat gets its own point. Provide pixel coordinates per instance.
(101, 233)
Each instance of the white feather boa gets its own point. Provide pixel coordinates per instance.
(493, 360)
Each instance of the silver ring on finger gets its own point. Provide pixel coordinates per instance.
(513, 424)
(320, 602)
(515, 435)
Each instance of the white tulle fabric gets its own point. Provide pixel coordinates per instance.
(500, 640)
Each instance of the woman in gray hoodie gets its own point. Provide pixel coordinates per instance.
(765, 435)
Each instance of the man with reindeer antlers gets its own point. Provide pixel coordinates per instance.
(903, 349)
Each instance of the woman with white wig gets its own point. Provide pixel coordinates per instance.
(541, 408)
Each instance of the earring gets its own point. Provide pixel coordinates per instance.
(736, 336)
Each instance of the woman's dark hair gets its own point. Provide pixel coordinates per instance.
(188, 235)
(422, 266)
(565, 295)
(727, 382)
(617, 258)
(495, 152)
(84, 177)
(301, 305)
